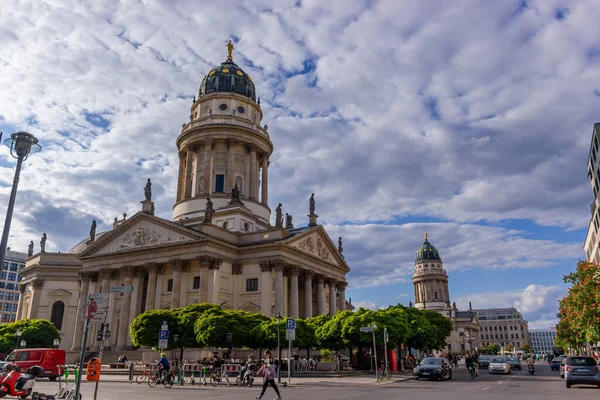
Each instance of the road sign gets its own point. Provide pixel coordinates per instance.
(164, 327)
(163, 344)
(121, 289)
(290, 334)
(290, 324)
(366, 329)
(92, 309)
(164, 335)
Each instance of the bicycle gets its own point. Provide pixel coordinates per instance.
(142, 376)
(217, 379)
(167, 378)
(383, 373)
(180, 380)
(472, 371)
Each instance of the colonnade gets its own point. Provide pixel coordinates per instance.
(258, 161)
(272, 298)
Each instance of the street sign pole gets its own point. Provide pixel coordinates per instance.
(375, 350)
(385, 340)
(290, 362)
(91, 313)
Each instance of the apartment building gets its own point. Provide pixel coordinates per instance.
(590, 246)
(502, 326)
(14, 262)
(542, 340)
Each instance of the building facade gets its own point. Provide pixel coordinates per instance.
(592, 240)
(10, 277)
(502, 326)
(430, 281)
(542, 340)
(219, 247)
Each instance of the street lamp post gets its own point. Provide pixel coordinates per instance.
(278, 317)
(176, 340)
(19, 333)
(20, 144)
(56, 343)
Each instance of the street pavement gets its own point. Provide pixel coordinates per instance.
(544, 385)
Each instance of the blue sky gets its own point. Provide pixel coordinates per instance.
(470, 120)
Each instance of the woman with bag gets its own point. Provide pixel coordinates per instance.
(268, 371)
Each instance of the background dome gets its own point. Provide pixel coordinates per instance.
(228, 77)
(427, 252)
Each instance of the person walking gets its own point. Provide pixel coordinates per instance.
(268, 372)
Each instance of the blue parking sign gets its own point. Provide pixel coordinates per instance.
(164, 335)
(290, 323)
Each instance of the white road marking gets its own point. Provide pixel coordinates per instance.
(495, 384)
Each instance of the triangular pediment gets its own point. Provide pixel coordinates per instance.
(142, 231)
(318, 243)
(60, 293)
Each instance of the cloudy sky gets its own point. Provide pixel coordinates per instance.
(468, 119)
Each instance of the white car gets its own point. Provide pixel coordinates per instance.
(499, 365)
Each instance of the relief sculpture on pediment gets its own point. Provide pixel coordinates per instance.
(143, 237)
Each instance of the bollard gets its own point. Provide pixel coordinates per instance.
(130, 373)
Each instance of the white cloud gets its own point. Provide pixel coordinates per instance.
(537, 303)
(366, 304)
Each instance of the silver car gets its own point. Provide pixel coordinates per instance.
(499, 365)
(581, 370)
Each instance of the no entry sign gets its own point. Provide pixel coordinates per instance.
(92, 309)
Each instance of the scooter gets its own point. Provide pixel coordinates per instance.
(18, 384)
(246, 377)
(531, 369)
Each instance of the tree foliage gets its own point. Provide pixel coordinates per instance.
(580, 308)
(36, 332)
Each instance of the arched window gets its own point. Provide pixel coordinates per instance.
(58, 311)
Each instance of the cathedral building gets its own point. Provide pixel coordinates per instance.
(430, 281)
(220, 246)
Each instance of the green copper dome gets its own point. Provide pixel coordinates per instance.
(228, 77)
(427, 252)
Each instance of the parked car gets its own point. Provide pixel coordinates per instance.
(484, 361)
(514, 362)
(49, 359)
(555, 364)
(581, 370)
(433, 368)
(499, 364)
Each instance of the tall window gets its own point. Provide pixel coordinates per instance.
(196, 282)
(170, 285)
(58, 311)
(220, 184)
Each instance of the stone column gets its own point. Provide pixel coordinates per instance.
(81, 311)
(294, 310)
(278, 267)
(208, 144)
(203, 262)
(105, 276)
(266, 288)
(188, 184)
(180, 176)
(20, 304)
(332, 297)
(125, 309)
(308, 304)
(213, 280)
(342, 299)
(253, 172)
(176, 292)
(151, 288)
(265, 179)
(320, 295)
(232, 143)
(37, 285)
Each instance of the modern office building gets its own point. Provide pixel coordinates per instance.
(591, 243)
(542, 340)
(9, 284)
(502, 326)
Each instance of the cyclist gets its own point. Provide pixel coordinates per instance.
(164, 366)
(469, 363)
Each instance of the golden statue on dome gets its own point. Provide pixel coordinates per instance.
(425, 235)
(230, 51)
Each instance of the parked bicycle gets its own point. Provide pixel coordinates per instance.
(142, 376)
(383, 373)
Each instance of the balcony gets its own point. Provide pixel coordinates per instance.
(225, 120)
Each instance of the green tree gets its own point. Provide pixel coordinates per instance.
(441, 328)
(186, 319)
(492, 349)
(212, 327)
(145, 328)
(36, 332)
(526, 348)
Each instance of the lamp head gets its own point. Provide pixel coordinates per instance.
(19, 332)
(21, 144)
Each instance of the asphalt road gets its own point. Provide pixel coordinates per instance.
(520, 385)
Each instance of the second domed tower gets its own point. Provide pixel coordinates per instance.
(430, 279)
(224, 146)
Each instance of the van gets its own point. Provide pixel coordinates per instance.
(48, 359)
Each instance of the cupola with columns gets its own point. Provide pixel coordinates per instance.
(430, 279)
(221, 147)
